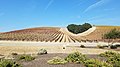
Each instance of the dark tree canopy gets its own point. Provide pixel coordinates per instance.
(113, 34)
(78, 28)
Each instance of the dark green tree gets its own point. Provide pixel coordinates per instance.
(78, 28)
(113, 34)
(86, 26)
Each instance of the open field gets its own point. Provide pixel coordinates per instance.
(8, 47)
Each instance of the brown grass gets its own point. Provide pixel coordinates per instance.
(6, 50)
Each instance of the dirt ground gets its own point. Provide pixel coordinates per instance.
(41, 61)
(8, 47)
(6, 50)
(53, 49)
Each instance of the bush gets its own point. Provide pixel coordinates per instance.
(105, 46)
(113, 46)
(9, 63)
(26, 57)
(76, 58)
(99, 46)
(102, 46)
(113, 34)
(116, 64)
(96, 63)
(78, 28)
(57, 60)
(112, 58)
(14, 54)
(82, 46)
(2, 57)
(108, 54)
(118, 45)
(42, 51)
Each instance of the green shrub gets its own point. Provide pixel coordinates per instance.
(26, 57)
(82, 46)
(108, 54)
(96, 63)
(112, 58)
(76, 57)
(113, 46)
(9, 63)
(116, 64)
(113, 34)
(57, 60)
(42, 51)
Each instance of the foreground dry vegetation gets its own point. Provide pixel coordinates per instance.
(51, 49)
(35, 54)
(75, 59)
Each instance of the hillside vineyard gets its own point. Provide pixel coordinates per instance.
(38, 34)
(54, 34)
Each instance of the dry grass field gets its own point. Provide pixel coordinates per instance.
(8, 47)
(51, 49)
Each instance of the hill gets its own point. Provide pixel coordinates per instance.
(47, 34)
(56, 34)
(99, 32)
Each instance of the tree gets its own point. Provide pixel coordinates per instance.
(86, 26)
(73, 28)
(113, 34)
(78, 28)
